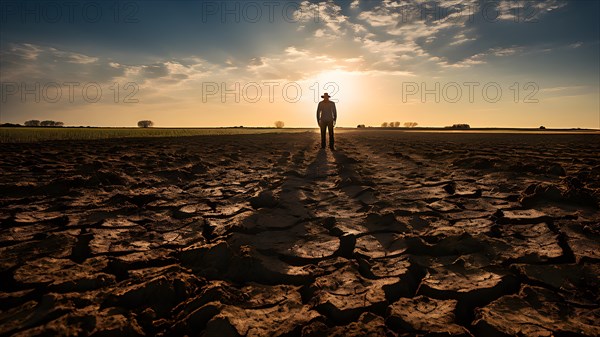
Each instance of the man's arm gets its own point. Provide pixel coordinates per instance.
(334, 113)
(318, 110)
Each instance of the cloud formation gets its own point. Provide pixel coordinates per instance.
(395, 36)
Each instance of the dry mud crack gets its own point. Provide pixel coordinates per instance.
(392, 234)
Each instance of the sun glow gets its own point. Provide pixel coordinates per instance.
(345, 88)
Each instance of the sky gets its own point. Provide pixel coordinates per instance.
(500, 63)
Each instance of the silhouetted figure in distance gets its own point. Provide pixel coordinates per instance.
(326, 117)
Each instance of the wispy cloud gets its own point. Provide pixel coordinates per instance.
(322, 18)
(27, 61)
(527, 11)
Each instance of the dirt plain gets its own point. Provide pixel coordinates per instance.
(392, 234)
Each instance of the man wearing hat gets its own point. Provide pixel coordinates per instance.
(326, 117)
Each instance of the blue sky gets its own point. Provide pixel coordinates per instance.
(166, 54)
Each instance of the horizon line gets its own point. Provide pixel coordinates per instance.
(13, 125)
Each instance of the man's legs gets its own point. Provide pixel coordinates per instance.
(323, 130)
(331, 138)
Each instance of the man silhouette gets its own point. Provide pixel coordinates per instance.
(326, 117)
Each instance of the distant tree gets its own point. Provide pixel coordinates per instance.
(542, 127)
(145, 124)
(396, 124)
(279, 124)
(384, 125)
(360, 126)
(49, 123)
(459, 126)
(410, 124)
(33, 122)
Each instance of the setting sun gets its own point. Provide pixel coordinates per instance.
(346, 88)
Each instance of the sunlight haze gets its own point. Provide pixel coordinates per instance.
(207, 63)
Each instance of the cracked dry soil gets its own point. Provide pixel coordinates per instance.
(392, 234)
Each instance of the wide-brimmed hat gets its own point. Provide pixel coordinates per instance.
(325, 95)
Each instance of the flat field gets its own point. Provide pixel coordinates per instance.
(28, 135)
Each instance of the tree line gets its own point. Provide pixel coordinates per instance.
(397, 124)
(35, 122)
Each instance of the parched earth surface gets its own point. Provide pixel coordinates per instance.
(392, 234)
